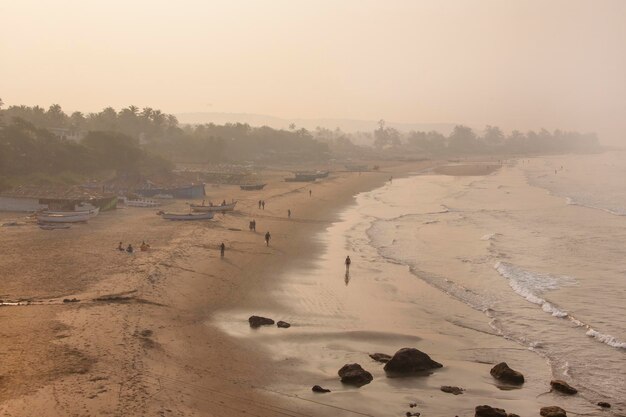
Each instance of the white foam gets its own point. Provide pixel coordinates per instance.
(606, 338)
(489, 236)
(530, 284)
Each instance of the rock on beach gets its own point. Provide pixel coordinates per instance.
(354, 374)
(502, 372)
(410, 360)
(258, 321)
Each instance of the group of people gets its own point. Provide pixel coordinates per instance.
(144, 247)
(262, 204)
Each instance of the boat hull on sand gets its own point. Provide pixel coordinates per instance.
(189, 216)
(60, 218)
(213, 209)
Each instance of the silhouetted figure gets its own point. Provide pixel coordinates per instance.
(254, 226)
(130, 249)
(144, 246)
(348, 262)
(259, 203)
(263, 204)
(120, 247)
(289, 213)
(310, 192)
(390, 180)
(222, 249)
(267, 238)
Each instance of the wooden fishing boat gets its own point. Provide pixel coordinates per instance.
(214, 209)
(188, 216)
(252, 187)
(91, 212)
(61, 218)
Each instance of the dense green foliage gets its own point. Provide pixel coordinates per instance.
(29, 150)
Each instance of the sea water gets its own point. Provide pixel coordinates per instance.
(539, 247)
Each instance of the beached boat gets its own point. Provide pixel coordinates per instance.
(140, 202)
(91, 212)
(61, 218)
(188, 216)
(252, 187)
(213, 209)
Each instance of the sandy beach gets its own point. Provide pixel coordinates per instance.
(136, 342)
(165, 332)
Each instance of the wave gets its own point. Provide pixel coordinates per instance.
(531, 284)
(572, 201)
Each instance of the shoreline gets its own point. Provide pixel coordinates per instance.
(154, 339)
(165, 332)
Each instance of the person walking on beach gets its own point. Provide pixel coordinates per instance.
(222, 249)
(259, 204)
(289, 213)
(310, 192)
(120, 247)
(267, 238)
(254, 226)
(263, 204)
(348, 262)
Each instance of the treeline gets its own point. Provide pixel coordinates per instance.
(464, 141)
(162, 134)
(30, 151)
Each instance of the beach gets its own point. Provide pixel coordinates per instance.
(165, 332)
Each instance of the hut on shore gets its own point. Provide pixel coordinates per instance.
(30, 198)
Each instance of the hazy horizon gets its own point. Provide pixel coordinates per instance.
(517, 64)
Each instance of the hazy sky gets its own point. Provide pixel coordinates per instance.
(519, 64)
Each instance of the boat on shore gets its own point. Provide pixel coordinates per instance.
(91, 212)
(252, 187)
(62, 218)
(188, 216)
(214, 209)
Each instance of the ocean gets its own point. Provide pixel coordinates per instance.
(539, 247)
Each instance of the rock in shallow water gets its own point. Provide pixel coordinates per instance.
(563, 387)
(283, 324)
(552, 411)
(502, 372)
(410, 360)
(488, 411)
(354, 374)
(380, 357)
(317, 388)
(258, 321)
(452, 390)
(604, 404)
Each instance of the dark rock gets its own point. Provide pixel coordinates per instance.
(380, 357)
(410, 360)
(410, 414)
(604, 404)
(71, 300)
(512, 415)
(412, 405)
(353, 374)
(563, 387)
(552, 411)
(488, 411)
(452, 390)
(258, 321)
(502, 372)
(317, 388)
(283, 325)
